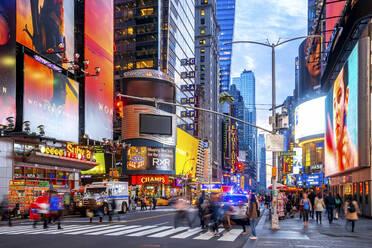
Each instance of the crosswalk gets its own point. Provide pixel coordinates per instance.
(150, 231)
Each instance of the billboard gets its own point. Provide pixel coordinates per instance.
(99, 42)
(50, 99)
(310, 118)
(309, 66)
(186, 153)
(149, 159)
(315, 179)
(341, 137)
(7, 60)
(333, 12)
(44, 24)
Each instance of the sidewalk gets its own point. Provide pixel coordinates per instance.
(292, 233)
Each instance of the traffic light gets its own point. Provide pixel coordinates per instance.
(119, 109)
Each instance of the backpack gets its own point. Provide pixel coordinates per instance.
(338, 202)
(351, 208)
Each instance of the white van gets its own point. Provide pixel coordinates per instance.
(101, 193)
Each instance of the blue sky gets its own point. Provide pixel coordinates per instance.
(258, 20)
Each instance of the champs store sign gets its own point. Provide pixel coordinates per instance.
(71, 151)
(153, 179)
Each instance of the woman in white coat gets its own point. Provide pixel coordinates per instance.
(319, 207)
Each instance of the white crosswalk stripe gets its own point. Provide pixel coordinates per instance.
(130, 230)
(153, 231)
(147, 232)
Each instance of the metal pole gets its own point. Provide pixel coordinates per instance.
(274, 219)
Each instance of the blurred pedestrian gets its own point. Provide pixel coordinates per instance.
(151, 202)
(215, 215)
(338, 205)
(4, 210)
(351, 211)
(143, 203)
(154, 201)
(182, 207)
(312, 201)
(112, 208)
(330, 205)
(252, 215)
(41, 207)
(201, 209)
(56, 209)
(307, 207)
(319, 207)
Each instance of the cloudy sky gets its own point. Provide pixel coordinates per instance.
(259, 20)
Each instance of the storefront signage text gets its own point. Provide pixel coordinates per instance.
(72, 151)
(150, 179)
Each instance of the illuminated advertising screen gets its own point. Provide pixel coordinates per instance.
(50, 99)
(315, 179)
(333, 12)
(186, 153)
(341, 137)
(44, 24)
(310, 118)
(150, 159)
(291, 180)
(7, 60)
(297, 161)
(99, 41)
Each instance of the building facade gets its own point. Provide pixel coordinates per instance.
(208, 126)
(226, 19)
(261, 163)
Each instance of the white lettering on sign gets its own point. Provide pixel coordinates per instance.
(161, 163)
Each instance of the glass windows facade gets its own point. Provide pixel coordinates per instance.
(225, 17)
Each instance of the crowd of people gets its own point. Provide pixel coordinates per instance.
(312, 205)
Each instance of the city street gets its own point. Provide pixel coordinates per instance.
(139, 229)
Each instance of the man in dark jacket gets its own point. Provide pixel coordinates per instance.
(312, 200)
(330, 206)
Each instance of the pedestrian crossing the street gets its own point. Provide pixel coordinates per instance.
(150, 231)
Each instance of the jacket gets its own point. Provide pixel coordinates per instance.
(351, 216)
(319, 204)
(252, 210)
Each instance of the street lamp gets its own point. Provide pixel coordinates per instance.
(274, 219)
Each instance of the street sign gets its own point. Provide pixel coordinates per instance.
(288, 153)
(274, 142)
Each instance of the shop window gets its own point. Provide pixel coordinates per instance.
(40, 173)
(202, 42)
(146, 12)
(144, 64)
(204, 1)
(202, 58)
(30, 172)
(18, 171)
(202, 67)
(202, 12)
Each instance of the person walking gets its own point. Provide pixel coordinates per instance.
(143, 203)
(182, 207)
(351, 211)
(330, 206)
(252, 215)
(306, 208)
(201, 209)
(154, 200)
(5, 211)
(319, 207)
(338, 204)
(312, 201)
(56, 209)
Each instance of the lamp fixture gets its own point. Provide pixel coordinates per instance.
(26, 126)
(41, 129)
(11, 124)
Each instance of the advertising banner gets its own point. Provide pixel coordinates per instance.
(291, 180)
(136, 180)
(341, 137)
(315, 179)
(50, 99)
(44, 24)
(211, 186)
(310, 118)
(99, 42)
(150, 159)
(7, 60)
(186, 153)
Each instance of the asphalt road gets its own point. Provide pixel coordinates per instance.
(138, 229)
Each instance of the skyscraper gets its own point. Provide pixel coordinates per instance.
(206, 50)
(261, 158)
(154, 34)
(226, 18)
(238, 107)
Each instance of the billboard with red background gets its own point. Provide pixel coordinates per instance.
(7, 60)
(44, 24)
(333, 12)
(99, 40)
(50, 99)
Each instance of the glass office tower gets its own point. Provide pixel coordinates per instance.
(225, 17)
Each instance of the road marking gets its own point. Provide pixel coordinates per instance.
(82, 227)
(146, 232)
(187, 234)
(206, 235)
(169, 232)
(46, 231)
(130, 231)
(231, 235)
(112, 230)
(139, 219)
(27, 230)
(162, 223)
(97, 228)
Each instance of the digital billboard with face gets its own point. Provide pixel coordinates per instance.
(7, 60)
(50, 99)
(341, 137)
(99, 42)
(45, 24)
(309, 118)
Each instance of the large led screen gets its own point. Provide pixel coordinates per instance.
(341, 137)
(309, 118)
(44, 24)
(7, 60)
(50, 99)
(99, 42)
(186, 153)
